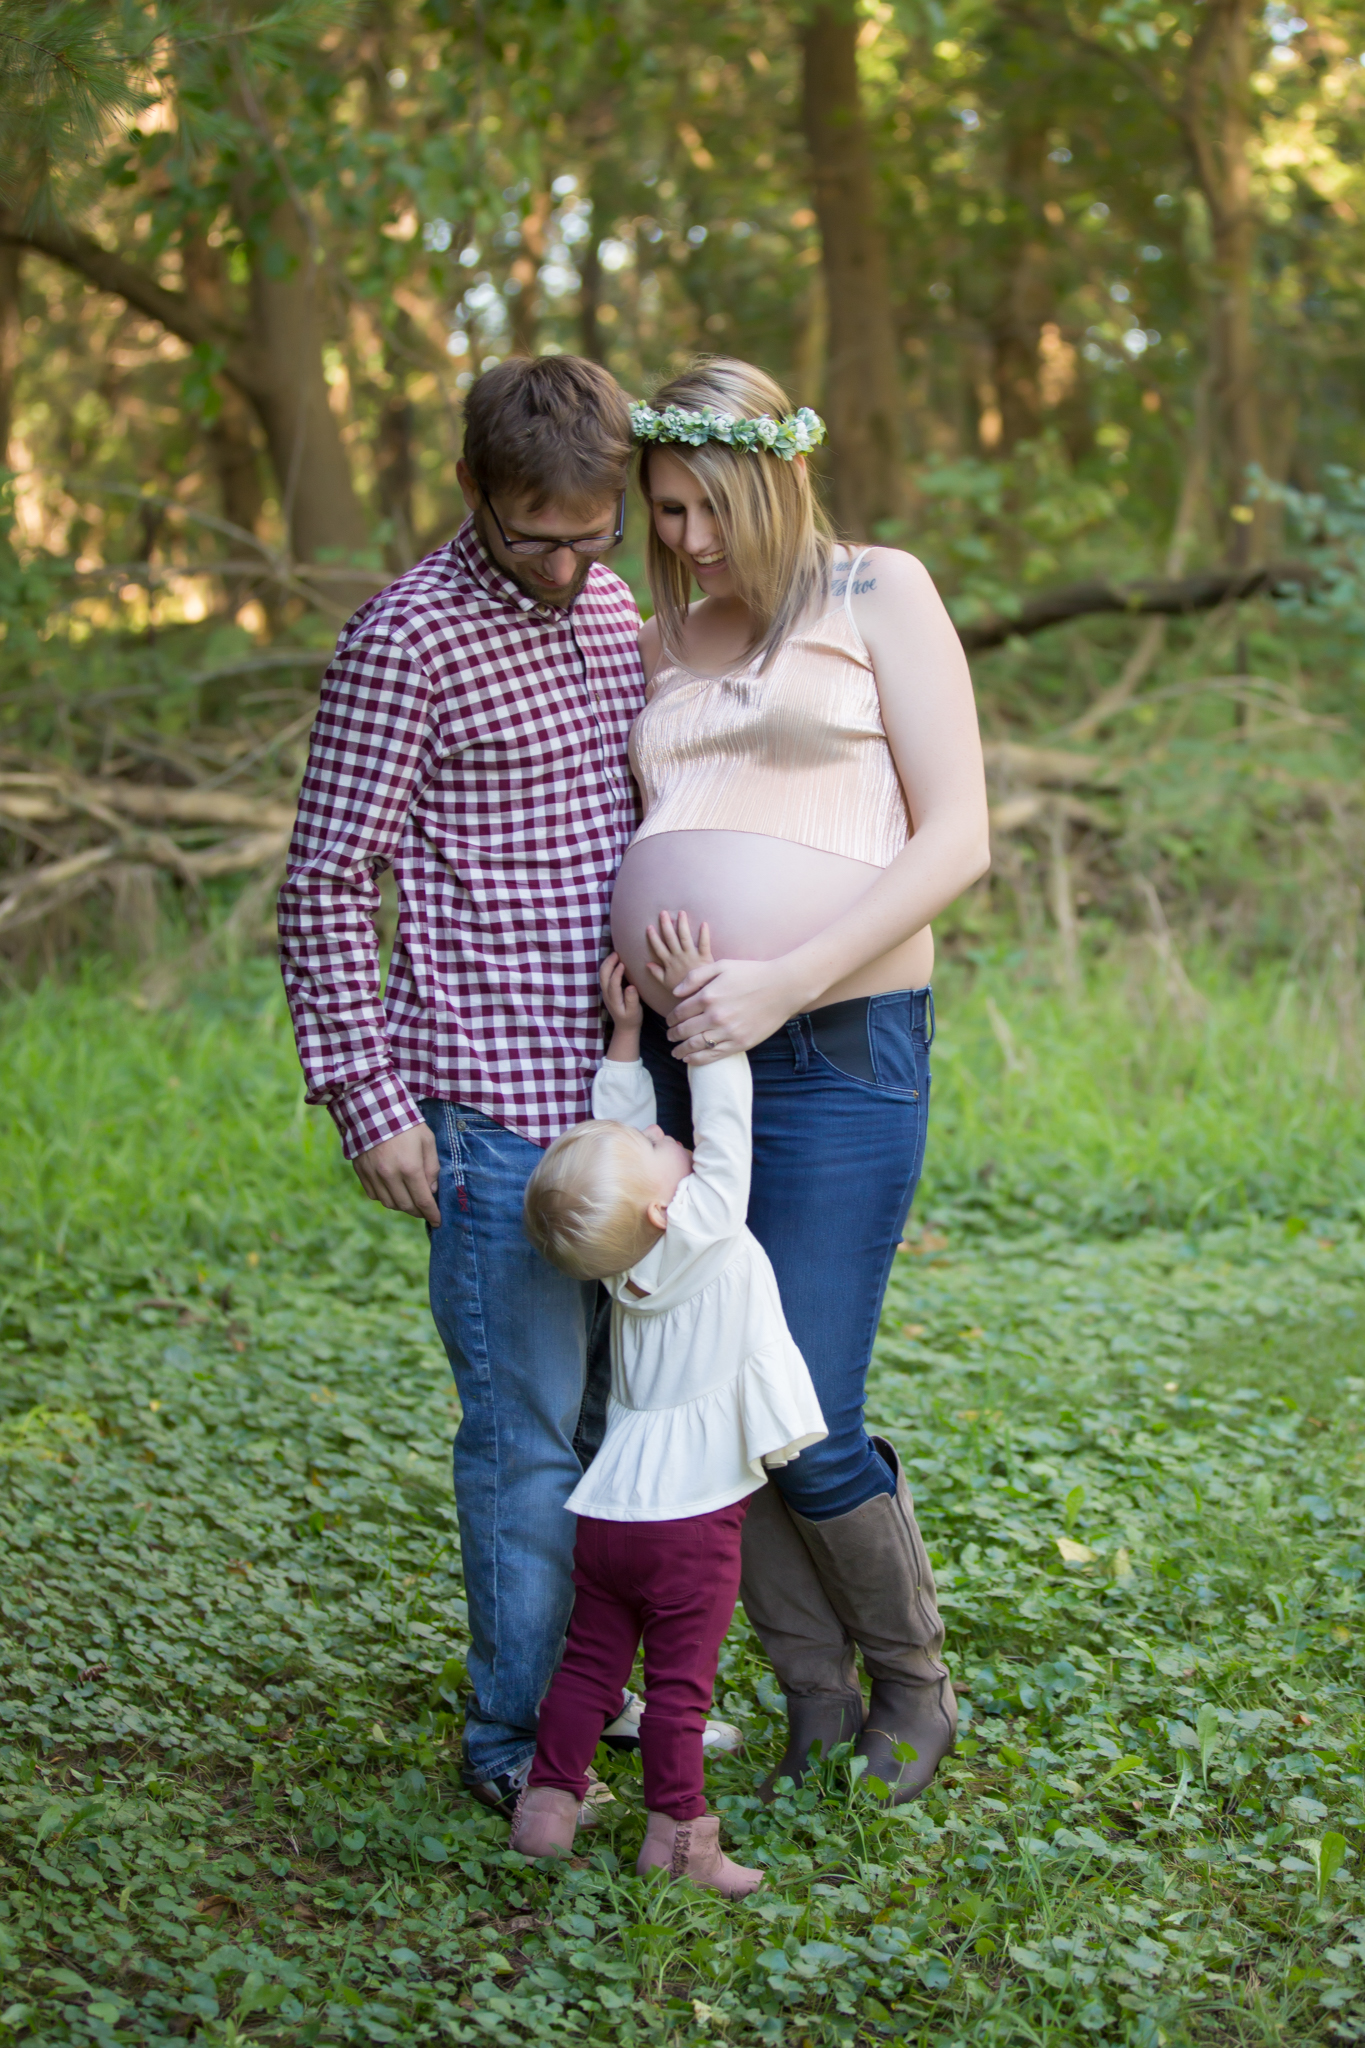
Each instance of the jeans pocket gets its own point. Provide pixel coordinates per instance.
(445, 1122)
(900, 1056)
(841, 1034)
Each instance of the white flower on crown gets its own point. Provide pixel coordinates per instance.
(796, 435)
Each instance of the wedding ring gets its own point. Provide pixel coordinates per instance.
(709, 1043)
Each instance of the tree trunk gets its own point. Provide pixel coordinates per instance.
(9, 342)
(236, 461)
(1215, 116)
(590, 296)
(1239, 397)
(284, 347)
(393, 463)
(232, 436)
(394, 472)
(524, 310)
(862, 390)
(1025, 298)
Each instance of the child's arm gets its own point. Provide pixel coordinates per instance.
(715, 1196)
(622, 1091)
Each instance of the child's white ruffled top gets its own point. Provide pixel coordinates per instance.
(708, 1388)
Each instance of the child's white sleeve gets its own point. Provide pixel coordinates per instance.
(714, 1199)
(623, 1093)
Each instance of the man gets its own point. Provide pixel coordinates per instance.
(472, 736)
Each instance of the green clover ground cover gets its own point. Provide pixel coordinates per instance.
(230, 1655)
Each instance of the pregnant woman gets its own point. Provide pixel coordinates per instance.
(813, 788)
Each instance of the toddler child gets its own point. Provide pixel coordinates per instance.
(708, 1391)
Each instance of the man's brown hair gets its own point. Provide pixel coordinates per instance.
(548, 429)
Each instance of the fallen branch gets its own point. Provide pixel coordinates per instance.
(1049, 765)
(52, 799)
(131, 824)
(59, 878)
(257, 664)
(1153, 596)
(1030, 805)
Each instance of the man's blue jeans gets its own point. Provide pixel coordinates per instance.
(517, 1334)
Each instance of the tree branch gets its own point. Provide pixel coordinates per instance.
(1046, 25)
(1152, 596)
(177, 312)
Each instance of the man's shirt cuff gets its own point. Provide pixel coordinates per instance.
(372, 1111)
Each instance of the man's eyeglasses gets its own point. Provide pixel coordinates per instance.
(582, 544)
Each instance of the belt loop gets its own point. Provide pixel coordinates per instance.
(929, 1015)
(798, 1030)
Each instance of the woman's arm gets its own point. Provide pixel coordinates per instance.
(930, 718)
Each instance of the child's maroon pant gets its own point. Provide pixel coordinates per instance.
(674, 1584)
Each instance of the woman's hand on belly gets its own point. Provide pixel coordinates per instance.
(684, 967)
(732, 1005)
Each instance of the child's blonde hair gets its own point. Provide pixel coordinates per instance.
(586, 1201)
(776, 538)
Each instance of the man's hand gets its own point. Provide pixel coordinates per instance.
(403, 1173)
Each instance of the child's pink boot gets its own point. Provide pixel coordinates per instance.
(544, 1822)
(691, 1849)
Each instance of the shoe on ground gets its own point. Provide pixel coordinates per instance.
(545, 1822)
(502, 1792)
(719, 1738)
(816, 1724)
(690, 1851)
(923, 1718)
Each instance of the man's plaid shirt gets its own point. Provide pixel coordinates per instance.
(475, 741)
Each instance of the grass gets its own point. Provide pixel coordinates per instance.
(1124, 1360)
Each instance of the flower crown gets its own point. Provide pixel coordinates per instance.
(800, 431)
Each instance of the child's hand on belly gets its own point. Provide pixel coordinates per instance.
(676, 953)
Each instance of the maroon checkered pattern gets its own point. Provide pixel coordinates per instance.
(474, 741)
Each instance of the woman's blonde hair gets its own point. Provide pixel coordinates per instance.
(775, 535)
(585, 1203)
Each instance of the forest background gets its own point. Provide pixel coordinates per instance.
(1077, 287)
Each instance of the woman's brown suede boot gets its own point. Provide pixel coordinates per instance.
(873, 1565)
(544, 1822)
(691, 1849)
(807, 1644)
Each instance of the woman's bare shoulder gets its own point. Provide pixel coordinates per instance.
(882, 569)
(897, 609)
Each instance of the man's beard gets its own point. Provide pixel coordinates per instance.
(562, 597)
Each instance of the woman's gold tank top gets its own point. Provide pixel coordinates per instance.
(798, 752)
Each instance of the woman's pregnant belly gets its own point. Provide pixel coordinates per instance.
(760, 896)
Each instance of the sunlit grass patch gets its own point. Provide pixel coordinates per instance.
(1125, 1104)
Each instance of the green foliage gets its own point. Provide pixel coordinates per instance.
(229, 1801)
(28, 591)
(64, 78)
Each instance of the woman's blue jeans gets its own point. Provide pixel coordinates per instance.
(837, 1156)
